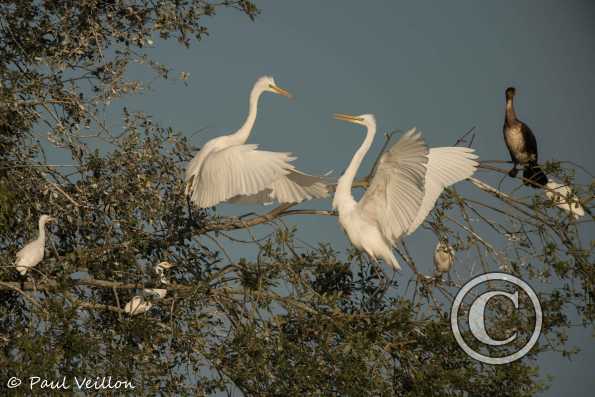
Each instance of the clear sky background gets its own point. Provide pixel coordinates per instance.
(441, 66)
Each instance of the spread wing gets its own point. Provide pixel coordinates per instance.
(294, 187)
(237, 170)
(446, 166)
(397, 188)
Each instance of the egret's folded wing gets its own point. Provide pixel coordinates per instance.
(396, 190)
(28, 251)
(446, 166)
(237, 170)
(21, 253)
(563, 197)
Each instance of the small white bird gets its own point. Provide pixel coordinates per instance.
(562, 196)
(32, 253)
(160, 269)
(403, 190)
(159, 293)
(137, 305)
(227, 169)
(444, 257)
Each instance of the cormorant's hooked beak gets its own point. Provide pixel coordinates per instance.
(280, 91)
(51, 220)
(349, 118)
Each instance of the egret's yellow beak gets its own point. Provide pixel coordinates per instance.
(280, 91)
(348, 118)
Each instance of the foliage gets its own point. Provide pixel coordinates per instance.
(288, 320)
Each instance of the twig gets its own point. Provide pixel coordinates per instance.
(12, 286)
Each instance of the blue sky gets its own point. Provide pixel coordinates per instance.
(440, 66)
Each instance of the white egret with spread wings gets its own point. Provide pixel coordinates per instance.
(228, 169)
(407, 181)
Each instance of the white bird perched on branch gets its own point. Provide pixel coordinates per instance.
(444, 257)
(139, 304)
(160, 269)
(407, 181)
(32, 253)
(159, 293)
(227, 169)
(563, 197)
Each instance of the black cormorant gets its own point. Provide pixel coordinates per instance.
(522, 146)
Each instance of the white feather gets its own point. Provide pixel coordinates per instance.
(404, 188)
(137, 305)
(444, 257)
(446, 166)
(227, 169)
(159, 293)
(32, 253)
(563, 197)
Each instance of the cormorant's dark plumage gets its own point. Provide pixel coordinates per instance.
(522, 146)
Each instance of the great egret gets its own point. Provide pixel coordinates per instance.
(227, 169)
(563, 197)
(444, 257)
(522, 145)
(32, 253)
(407, 182)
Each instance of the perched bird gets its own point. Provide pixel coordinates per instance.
(137, 305)
(444, 257)
(160, 269)
(522, 146)
(227, 169)
(158, 293)
(140, 304)
(32, 253)
(407, 182)
(562, 196)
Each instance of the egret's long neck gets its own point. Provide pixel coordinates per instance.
(343, 191)
(41, 235)
(241, 136)
(510, 114)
